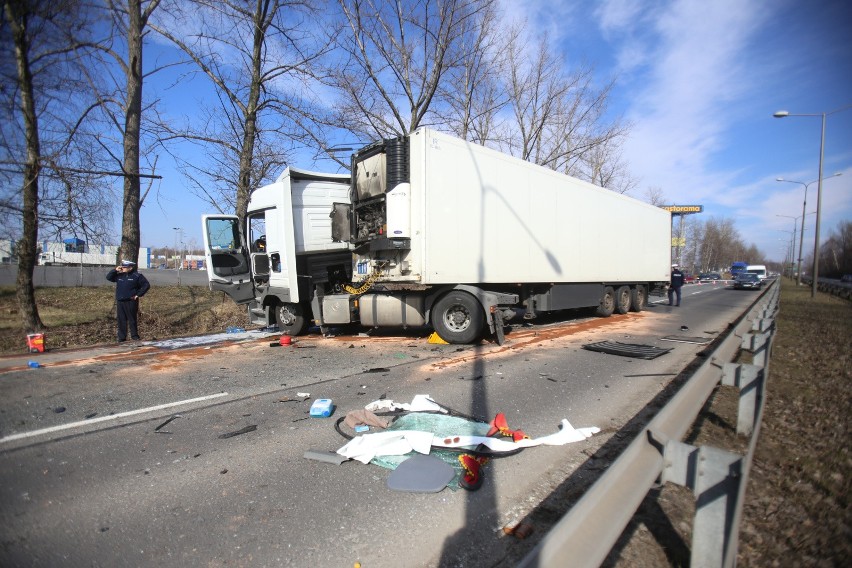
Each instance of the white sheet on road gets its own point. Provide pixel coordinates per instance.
(396, 443)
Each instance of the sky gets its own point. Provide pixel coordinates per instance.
(699, 82)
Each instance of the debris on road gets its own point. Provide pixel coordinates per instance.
(636, 350)
(327, 456)
(322, 408)
(245, 430)
(160, 427)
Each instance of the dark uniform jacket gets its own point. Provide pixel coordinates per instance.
(677, 278)
(128, 284)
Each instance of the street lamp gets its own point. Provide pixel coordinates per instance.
(177, 230)
(784, 114)
(802, 235)
(793, 241)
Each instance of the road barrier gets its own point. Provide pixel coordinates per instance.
(591, 528)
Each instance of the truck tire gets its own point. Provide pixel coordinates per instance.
(291, 319)
(607, 305)
(638, 299)
(622, 300)
(458, 318)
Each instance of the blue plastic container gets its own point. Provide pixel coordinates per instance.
(322, 408)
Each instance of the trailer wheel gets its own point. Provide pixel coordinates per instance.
(458, 318)
(291, 319)
(622, 300)
(607, 305)
(638, 299)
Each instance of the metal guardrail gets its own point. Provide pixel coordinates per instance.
(832, 286)
(591, 528)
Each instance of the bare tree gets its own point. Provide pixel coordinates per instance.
(559, 117)
(655, 196)
(257, 56)
(395, 57)
(45, 40)
(471, 95)
(122, 102)
(836, 252)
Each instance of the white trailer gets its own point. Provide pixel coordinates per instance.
(444, 232)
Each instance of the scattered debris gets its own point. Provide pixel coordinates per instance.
(160, 427)
(322, 408)
(696, 340)
(518, 529)
(59, 410)
(355, 418)
(304, 394)
(636, 350)
(245, 430)
(91, 415)
(421, 474)
(327, 456)
(378, 370)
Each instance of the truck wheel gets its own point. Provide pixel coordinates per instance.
(638, 299)
(607, 305)
(458, 318)
(291, 319)
(622, 300)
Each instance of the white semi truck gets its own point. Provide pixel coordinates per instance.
(432, 230)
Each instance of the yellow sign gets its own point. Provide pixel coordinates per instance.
(678, 241)
(683, 208)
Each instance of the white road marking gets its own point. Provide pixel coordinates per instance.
(105, 418)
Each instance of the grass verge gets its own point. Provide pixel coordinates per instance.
(81, 316)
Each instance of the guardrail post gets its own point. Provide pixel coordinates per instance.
(749, 380)
(758, 345)
(762, 324)
(714, 476)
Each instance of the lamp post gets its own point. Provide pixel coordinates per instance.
(784, 114)
(792, 242)
(802, 234)
(177, 230)
(791, 248)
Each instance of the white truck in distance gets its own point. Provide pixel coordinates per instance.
(436, 231)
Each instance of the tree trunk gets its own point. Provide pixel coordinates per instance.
(130, 233)
(245, 183)
(27, 250)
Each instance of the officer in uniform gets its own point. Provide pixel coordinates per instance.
(676, 284)
(130, 286)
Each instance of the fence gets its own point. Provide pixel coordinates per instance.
(590, 529)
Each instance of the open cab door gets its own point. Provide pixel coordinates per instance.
(227, 259)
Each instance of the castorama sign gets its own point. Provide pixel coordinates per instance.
(683, 209)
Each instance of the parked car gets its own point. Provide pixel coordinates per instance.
(747, 281)
(689, 279)
(709, 276)
(846, 278)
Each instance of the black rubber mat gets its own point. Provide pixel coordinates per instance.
(627, 349)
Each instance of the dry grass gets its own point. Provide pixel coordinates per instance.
(76, 317)
(797, 510)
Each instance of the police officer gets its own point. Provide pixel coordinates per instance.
(676, 284)
(130, 286)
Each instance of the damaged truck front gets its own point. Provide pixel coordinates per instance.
(438, 231)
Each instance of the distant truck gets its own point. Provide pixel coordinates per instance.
(436, 231)
(758, 269)
(738, 268)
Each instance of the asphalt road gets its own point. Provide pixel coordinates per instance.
(116, 491)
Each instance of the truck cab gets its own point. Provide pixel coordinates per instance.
(284, 252)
